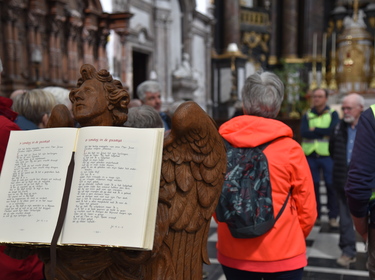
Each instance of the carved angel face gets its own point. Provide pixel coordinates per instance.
(90, 104)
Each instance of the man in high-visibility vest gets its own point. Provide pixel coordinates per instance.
(316, 127)
(360, 184)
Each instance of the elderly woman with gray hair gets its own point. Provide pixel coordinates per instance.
(34, 108)
(279, 253)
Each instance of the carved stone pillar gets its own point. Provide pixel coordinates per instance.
(52, 57)
(290, 29)
(57, 20)
(32, 24)
(75, 31)
(232, 22)
(9, 51)
(19, 35)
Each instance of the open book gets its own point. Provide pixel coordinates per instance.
(114, 186)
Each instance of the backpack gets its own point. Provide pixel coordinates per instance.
(245, 202)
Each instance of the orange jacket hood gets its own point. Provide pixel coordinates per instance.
(252, 131)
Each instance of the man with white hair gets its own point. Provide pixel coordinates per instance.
(149, 94)
(340, 148)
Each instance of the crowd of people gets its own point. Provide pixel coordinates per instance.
(339, 151)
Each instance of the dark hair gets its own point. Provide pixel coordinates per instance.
(323, 89)
(116, 94)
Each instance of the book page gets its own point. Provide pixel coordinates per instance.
(155, 181)
(32, 183)
(111, 188)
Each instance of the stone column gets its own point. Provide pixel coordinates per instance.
(102, 55)
(272, 60)
(123, 57)
(313, 23)
(161, 56)
(8, 63)
(231, 22)
(73, 42)
(290, 29)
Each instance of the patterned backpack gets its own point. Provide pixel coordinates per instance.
(246, 199)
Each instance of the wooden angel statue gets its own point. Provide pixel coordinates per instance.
(193, 166)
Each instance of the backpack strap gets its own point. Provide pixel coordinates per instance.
(262, 147)
(284, 205)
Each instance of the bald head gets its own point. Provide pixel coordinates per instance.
(352, 107)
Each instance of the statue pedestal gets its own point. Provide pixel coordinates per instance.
(183, 88)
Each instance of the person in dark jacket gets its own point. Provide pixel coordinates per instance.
(340, 148)
(361, 183)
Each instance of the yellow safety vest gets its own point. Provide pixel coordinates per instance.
(372, 198)
(320, 146)
(373, 109)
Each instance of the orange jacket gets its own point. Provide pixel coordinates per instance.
(283, 247)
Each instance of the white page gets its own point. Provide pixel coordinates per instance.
(150, 227)
(109, 198)
(32, 183)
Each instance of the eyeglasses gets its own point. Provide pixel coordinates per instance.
(346, 108)
(318, 96)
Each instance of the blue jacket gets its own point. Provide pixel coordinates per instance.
(361, 176)
(25, 124)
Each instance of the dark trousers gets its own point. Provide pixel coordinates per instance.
(324, 163)
(371, 253)
(236, 274)
(347, 242)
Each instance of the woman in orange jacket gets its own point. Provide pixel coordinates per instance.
(281, 252)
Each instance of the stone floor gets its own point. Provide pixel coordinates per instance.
(322, 253)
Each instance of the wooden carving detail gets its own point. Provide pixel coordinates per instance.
(194, 162)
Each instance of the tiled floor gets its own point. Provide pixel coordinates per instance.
(322, 253)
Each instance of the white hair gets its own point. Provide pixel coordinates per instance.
(262, 95)
(61, 95)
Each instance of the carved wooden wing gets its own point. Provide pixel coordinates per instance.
(194, 163)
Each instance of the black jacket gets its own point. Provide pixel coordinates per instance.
(337, 150)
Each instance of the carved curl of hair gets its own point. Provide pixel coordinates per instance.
(116, 94)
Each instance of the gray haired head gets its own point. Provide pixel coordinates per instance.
(144, 117)
(262, 95)
(147, 86)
